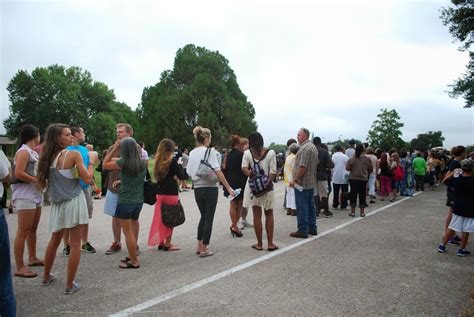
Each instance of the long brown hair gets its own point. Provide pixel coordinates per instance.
(163, 158)
(51, 149)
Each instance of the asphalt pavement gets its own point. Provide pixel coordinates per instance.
(383, 264)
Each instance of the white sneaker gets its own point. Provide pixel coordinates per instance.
(246, 224)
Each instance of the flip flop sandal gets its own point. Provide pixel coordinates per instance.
(256, 247)
(36, 264)
(28, 274)
(171, 248)
(128, 265)
(49, 280)
(206, 253)
(273, 249)
(125, 259)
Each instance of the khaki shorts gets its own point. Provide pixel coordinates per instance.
(25, 204)
(88, 194)
(321, 189)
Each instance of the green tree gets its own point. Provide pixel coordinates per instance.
(278, 148)
(385, 131)
(460, 22)
(201, 89)
(427, 141)
(66, 95)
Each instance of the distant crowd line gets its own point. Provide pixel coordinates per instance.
(61, 170)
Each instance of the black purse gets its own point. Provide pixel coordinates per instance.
(172, 215)
(150, 190)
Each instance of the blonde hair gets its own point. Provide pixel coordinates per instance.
(201, 134)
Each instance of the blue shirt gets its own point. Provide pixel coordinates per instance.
(85, 158)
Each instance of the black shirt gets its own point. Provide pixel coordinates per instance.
(169, 186)
(233, 171)
(463, 196)
(324, 163)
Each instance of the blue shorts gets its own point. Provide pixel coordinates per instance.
(128, 211)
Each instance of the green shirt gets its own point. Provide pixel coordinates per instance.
(131, 187)
(419, 166)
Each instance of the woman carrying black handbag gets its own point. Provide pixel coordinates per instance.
(166, 171)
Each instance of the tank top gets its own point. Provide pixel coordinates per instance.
(62, 186)
(25, 190)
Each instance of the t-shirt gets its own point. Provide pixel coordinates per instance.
(169, 186)
(144, 155)
(350, 152)
(85, 159)
(419, 166)
(324, 163)
(359, 168)
(4, 169)
(463, 196)
(339, 171)
(454, 164)
(268, 164)
(195, 157)
(373, 160)
(131, 187)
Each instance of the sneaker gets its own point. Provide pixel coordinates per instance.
(88, 248)
(114, 248)
(317, 216)
(75, 287)
(328, 214)
(441, 248)
(463, 252)
(247, 224)
(66, 250)
(453, 241)
(457, 239)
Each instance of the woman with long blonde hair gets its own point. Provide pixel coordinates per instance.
(166, 171)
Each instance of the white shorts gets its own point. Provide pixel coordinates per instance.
(111, 200)
(290, 198)
(461, 224)
(321, 189)
(25, 204)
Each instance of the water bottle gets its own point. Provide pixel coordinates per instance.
(237, 192)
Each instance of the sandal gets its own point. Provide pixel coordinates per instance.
(206, 253)
(273, 249)
(257, 247)
(48, 281)
(352, 214)
(128, 265)
(27, 274)
(36, 263)
(171, 248)
(125, 259)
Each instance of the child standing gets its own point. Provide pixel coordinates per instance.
(463, 211)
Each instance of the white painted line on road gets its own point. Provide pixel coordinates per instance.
(185, 289)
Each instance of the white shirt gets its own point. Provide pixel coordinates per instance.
(144, 155)
(339, 171)
(195, 158)
(4, 169)
(350, 152)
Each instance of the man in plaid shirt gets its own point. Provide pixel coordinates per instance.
(304, 181)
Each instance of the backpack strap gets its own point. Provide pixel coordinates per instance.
(207, 154)
(262, 158)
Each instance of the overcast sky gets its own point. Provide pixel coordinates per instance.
(325, 65)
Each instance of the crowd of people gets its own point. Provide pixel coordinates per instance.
(63, 167)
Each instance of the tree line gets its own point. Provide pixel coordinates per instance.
(201, 89)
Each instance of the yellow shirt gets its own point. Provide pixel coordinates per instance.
(288, 170)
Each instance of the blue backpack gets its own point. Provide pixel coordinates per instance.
(258, 184)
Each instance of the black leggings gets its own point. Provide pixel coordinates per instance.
(358, 188)
(206, 199)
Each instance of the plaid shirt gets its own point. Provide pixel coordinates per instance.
(307, 156)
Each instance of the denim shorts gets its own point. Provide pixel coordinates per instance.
(128, 211)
